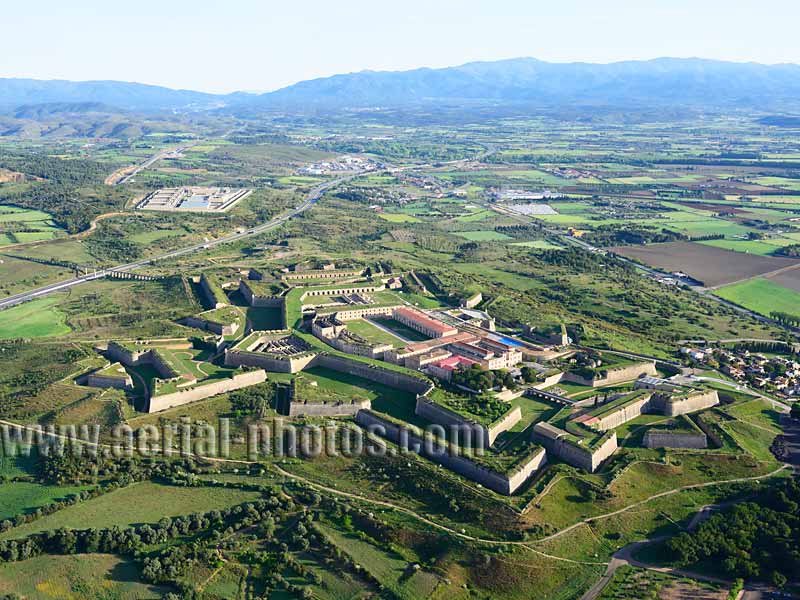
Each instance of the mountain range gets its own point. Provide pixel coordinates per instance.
(692, 82)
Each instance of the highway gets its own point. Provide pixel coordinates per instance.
(310, 200)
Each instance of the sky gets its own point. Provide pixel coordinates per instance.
(260, 45)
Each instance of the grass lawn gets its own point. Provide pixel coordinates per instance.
(34, 319)
(372, 333)
(145, 502)
(384, 398)
(401, 330)
(762, 296)
(73, 577)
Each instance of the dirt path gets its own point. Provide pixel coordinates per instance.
(94, 222)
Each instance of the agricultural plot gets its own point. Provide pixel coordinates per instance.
(712, 266)
(73, 577)
(36, 319)
(762, 296)
(22, 497)
(145, 502)
(21, 225)
(484, 236)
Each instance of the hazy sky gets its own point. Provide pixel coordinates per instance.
(226, 45)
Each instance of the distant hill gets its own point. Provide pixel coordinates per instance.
(127, 96)
(527, 81)
(673, 83)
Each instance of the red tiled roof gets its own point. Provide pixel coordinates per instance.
(424, 320)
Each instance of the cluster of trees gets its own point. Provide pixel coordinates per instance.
(793, 251)
(612, 235)
(109, 244)
(75, 171)
(785, 318)
(483, 405)
(254, 401)
(478, 379)
(750, 540)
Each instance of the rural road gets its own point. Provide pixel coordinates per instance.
(310, 200)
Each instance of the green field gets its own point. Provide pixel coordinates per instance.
(35, 319)
(484, 236)
(762, 296)
(19, 497)
(138, 503)
(539, 245)
(401, 330)
(398, 218)
(384, 398)
(372, 333)
(84, 577)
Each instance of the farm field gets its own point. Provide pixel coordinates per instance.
(24, 497)
(484, 236)
(762, 296)
(36, 319)
(101, 576)
(712, 266)
(138, 503)
(538, 245)
(21, 225)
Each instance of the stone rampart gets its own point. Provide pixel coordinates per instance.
(327, 409)
(669, 439)
(391, 378)
(699, 400)
(503, 483)
(615, 375)
(200, 392)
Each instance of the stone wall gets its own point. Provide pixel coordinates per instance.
(549, 381)
(218, 328)
(667, 439)
(624, 414)
(351, 314)
(581, 457)
(696, 401)
(205, 285)
(327, 409)
(260, 301)
(344, 290)
(237, 358)
(99, 381)
(486, 435)
(377, 351)
(395, 379)
(240, 380)
(617, 375)
(503, 483)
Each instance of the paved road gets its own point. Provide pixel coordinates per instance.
(149, 163)
(310, 200)
(625, 556)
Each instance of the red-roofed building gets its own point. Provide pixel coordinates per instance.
(419, 321)
(445, 368)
